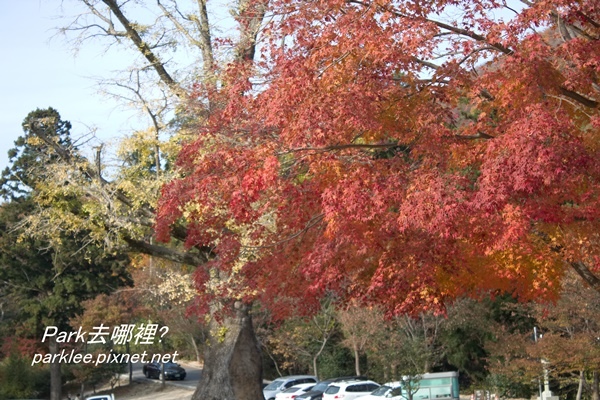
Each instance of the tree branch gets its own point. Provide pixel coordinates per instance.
(342, 147)
(250, 17)
(169, 253)
(204, 27)
(87, 169)
(584, 272)
(579, 98)
(479, 135)
(145, 50)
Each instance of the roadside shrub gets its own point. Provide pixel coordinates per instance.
(20, 380)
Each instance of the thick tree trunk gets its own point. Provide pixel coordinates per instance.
(232, 362)
(55, 375)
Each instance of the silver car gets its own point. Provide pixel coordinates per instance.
(285, 382)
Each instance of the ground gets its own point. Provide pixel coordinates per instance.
(149, 390)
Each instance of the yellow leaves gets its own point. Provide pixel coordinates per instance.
(142, 174)
(221, 334)
(141, 145)
(538, 270)
(194, 211)
(35, 141)
(175, 288)
(141, 193)
(578, 240)
(73, 199)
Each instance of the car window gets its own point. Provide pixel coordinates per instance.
(274, 385)
(332, 389)
(300, 389)
(321, 386)
(369, 387)
(355, 388)
(381, 391)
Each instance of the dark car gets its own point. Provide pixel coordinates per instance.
(172, 371)
(317, 391)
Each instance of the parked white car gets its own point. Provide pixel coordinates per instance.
(294, 391)
(286, 382)
(349, 390)
(390, 390)
(101, 397)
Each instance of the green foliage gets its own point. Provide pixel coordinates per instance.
(464, 336)
(49, 284)
(31, 156)
(47, 279)
(508, 388)
(402, 150)
(93, 375)
(507, 311)
(336, 361)
(20, 380)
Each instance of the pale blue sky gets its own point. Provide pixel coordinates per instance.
(38, 71)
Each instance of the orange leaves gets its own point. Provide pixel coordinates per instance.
(533, 273)
(536, 164)
(433, 203)
(399, 158)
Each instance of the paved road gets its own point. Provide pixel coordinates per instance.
(190, 382)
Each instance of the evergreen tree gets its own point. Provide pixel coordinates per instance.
(47, 281)
(30, 156)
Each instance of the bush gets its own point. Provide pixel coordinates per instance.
(335, 361)
(20, 380)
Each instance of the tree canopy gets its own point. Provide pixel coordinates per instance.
(399, 152)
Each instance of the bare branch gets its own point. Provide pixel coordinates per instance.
(88, 169)
(146, 50)
(204, 43)
(426, 63)
(207, 52)
(250, 17)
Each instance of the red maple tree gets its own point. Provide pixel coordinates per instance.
(399, 152)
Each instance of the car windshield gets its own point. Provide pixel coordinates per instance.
(332, 389)
(321, 386)
(274, 385)
(381, 391)
(171, 365)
